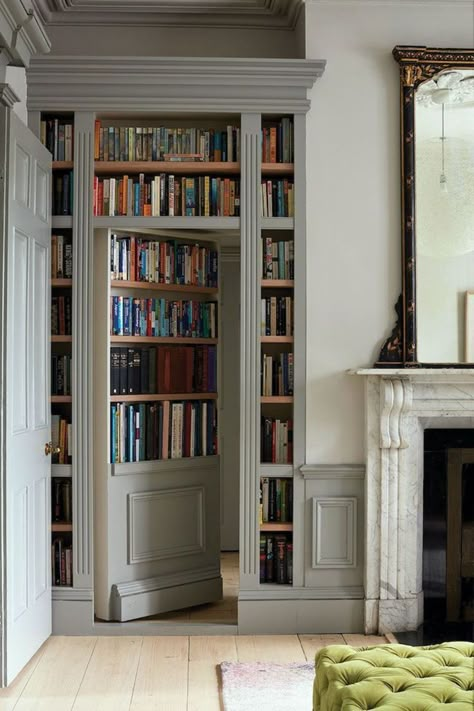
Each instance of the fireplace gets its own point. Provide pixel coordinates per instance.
(448, 526)
(401, 404)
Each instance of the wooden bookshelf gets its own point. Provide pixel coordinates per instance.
(278, 283)
(161, 396)
(61, 339)
(111, 167)
(174, 167)
(278, 168)
(276, 527)
(154, 286)
(276, 339)
(61, 527)
(60, 398)
(173, 340)
(63, 164)
(276, 399)
(61, 282)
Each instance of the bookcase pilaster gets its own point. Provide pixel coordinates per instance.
(249, 351)
(82, 353)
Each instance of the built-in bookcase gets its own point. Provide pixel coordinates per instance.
(57, 134)
(276, 275)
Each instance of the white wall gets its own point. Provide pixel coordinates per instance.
(353, 198)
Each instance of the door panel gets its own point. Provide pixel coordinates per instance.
(27, 595)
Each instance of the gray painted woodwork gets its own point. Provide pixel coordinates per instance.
(22, 33)
(229, 396)
(249, 88)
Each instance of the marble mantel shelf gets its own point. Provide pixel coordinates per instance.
(414, 373)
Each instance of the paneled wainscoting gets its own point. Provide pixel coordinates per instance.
(148, 673)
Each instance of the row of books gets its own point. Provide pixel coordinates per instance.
(61, 315)
(61, 256)
(167, 195)
(61, 374)
(278, 198)
(61, 436)
(166, 370)
(162, 430)
(278, 259)
(61, 499)
(276, 498)
(63, 192)
(131, 316)
(171, 262)
(277, 142)
(277, 316)
(61, 561)
(276, 441)
(276, 558)
(277, 374)
(134, 143)
(58, 136)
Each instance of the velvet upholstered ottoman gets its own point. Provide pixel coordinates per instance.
(395, 677)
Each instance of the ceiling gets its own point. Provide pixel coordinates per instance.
(218, 13)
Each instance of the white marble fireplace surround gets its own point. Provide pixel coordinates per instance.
(400, 405)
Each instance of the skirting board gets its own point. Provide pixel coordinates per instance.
(73, 617)
(300, 616)
(144, 603)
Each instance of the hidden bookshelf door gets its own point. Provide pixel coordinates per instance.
(276, 268)
(57, 134)
(156, 405)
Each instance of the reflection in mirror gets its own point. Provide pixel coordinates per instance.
(444, 170)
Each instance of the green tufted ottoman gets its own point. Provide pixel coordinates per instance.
(395, 677)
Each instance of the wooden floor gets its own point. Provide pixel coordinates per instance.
(148, 673)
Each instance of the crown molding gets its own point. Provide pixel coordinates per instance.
(7, 96)
(171, 84)
(392, 3)
(257, 14)
(22, 33)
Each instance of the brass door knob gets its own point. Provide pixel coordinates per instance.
(49, 449)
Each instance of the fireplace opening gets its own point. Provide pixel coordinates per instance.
(448, 528)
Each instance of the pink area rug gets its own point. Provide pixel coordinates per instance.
(260, 686)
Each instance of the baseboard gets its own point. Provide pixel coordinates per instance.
(73, 617)
(301, 616)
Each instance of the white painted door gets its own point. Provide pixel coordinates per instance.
(26, 593)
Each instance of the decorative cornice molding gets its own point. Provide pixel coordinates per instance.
(264, 14)
(396, 3)
(7, 96)
(22, 32)
(171, 83)
(333, 471)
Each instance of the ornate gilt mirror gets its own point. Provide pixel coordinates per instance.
(435, 311)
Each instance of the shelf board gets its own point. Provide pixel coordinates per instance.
(111, 167)
(278, 168)
(276, 470)
(163, 223)
(276, 339)
(270, 527)
(278, 283)
(61, 339)
(63, 164)
(161, 396)
(176, 340)
(60, 398)
(277, 223)
(61, 222)
(61, 282)
(61, 527)
(61, 470)
(185, 288)
(276, 399)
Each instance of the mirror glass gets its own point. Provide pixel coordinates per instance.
(444, 217)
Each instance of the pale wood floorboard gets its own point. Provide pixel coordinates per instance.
(269, 648)
(10, 696)
(56, 679)
(110, 677)
(149, 673)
